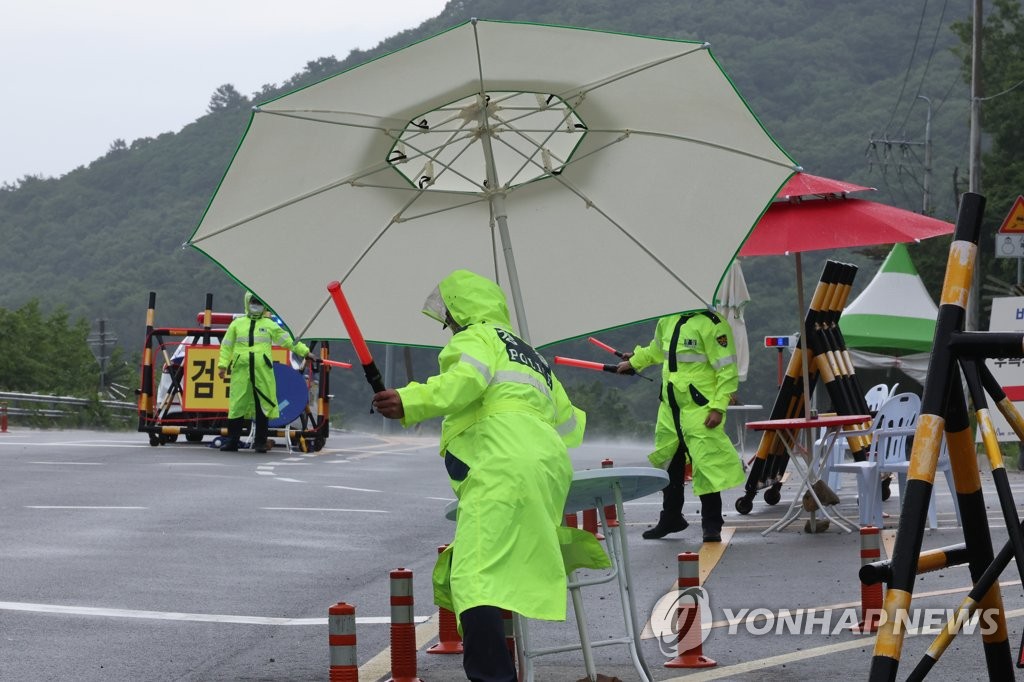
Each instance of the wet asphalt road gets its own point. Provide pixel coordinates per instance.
(121, 561)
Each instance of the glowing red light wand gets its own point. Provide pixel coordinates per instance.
(362, 350)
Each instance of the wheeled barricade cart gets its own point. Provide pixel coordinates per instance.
(181, 393)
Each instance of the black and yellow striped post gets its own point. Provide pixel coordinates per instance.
(928, 561)
(146, 399)
(771, 458)
(943, 407)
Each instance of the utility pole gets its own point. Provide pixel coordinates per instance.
(904, 144)
(926, 184)
(974, 179)
(100, 343)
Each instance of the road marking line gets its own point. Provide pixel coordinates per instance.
(265, 473)
(359, 490)
(191, 464)
(83, 464)
(46, 506)
(711, 553)
(380, 665)
(105, 445)
(366, 511)
(195, 617)
(287, 480)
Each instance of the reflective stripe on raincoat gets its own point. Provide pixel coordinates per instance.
(507, 425)
(246, 350)
(700, 377)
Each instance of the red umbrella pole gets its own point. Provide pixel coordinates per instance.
(362, 350)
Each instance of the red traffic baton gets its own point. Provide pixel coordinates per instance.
(336, 363)
(597, 366)
(586, 364)
(605, 346)
(356, 336)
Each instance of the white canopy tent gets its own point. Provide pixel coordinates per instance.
(891, 324)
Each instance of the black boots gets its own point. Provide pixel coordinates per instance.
(671, 519)
(234, 435)
(711, 520)
(668, 522)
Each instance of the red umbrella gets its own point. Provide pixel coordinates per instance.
(835, 223)
(813, 213)
(807, 185)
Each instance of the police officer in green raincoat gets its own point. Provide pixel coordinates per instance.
(699, 376)
(245, 350)
(507, 425)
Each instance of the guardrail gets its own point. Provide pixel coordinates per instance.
(57, 406)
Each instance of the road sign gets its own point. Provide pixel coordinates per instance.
(1010, 245)
(1007, 315)
(1014, 221)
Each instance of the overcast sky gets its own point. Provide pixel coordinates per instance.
(78, 74)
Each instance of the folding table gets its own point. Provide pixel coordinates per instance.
(594, 489)
(791, 432)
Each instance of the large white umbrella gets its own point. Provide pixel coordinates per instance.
(600, 178)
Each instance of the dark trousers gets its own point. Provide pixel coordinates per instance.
(236, 425)
(485, 656)
(672, 496)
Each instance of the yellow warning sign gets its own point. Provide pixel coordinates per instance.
(1014, 221)
(203, 389)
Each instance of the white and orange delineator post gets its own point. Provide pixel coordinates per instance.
(689, 647)
(341, 621)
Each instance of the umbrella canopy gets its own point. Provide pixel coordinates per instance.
(829, 219)
(733, 298)
(609, 185)
(805, 185)
(835, 223)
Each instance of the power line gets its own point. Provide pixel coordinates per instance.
(910, 63)
(927, 64)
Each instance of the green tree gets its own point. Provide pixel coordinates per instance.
(226, 97)
(40, 354)
(1002, 68)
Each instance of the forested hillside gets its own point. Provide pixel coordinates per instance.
(831, 81)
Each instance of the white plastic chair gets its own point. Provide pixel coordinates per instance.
(876, 395)
(895, 421)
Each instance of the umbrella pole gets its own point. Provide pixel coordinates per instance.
(805, 349)
(510, 265)
(497, 201)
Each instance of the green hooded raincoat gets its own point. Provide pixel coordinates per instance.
(698, 374)
(246, 350)
(507, 425)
